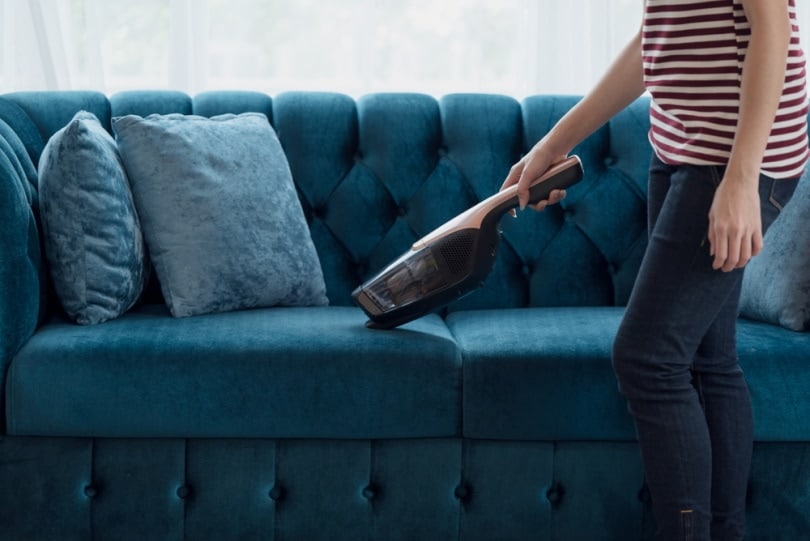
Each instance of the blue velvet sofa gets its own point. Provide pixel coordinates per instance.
(496, 419)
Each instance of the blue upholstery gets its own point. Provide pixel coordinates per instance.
(497, 418)
(22, 269)
(537, 374)
(545, 373)
(49, 115)
(220, 213)
(242, 374)
(91, 233)
(265, 489)
(775, 361)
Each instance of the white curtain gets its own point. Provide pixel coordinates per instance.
(514, 47)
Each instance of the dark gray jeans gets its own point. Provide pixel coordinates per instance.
(675, 358)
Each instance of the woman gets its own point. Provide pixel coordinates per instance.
(728, 129)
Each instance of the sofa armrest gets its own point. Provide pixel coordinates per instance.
(22, 272)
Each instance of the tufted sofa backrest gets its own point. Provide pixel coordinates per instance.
(376, 173)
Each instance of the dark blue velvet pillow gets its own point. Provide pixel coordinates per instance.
(93, 240)
(220, 213)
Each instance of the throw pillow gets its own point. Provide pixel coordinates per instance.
(776, 283)
(221, 216)
(92, 236)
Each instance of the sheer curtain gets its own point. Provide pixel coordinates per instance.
(514, 47)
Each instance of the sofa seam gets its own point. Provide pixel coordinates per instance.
(91, 510)
(185, 483)
(10, 399)
(276, 514)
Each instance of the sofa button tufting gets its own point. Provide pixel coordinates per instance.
(462, 492)
(527, 270)
(276, 493)
(184, 492)
(370, 492)
(402, 211)
(554, 494)
(90, 491)
(610, 161)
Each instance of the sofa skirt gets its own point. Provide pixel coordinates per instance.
(413, 489)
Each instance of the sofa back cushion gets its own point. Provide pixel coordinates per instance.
(376, 173)
(22, 270)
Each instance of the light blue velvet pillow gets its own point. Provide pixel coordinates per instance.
(220, 213)
(776, 283)
(93, 241)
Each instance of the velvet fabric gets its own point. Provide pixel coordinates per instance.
(498, 418)
(92, 235)
(267, 489)
(446, 157)
(767, 353)
(26, 138)
(282, 372)
(534, 374)
(585, 251)
(222, 102)
(338, 148)
(22, 268)
(18, 162)
(540, 373)
(776, 283)
(220, 213)
(151, 102)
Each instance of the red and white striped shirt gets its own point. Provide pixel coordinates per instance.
(693, 54)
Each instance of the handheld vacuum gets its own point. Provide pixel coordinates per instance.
(453, 259)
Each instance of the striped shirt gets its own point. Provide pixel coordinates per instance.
(693, 54)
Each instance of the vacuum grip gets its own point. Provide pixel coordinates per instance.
(556, 179)
(559, 176)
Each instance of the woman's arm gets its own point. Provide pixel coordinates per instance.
(735, 228)
(619, 86)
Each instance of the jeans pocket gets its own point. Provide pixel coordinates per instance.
(781, 191)
(774, 195)
(716, 173)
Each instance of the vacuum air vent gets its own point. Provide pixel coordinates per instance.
(456, 250)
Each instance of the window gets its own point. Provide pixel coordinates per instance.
(514, 47)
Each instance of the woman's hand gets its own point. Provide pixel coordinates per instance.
(528, 169)
(735, 225)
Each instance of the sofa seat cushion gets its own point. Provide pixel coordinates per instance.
(287, 372)
(546, 374)
(777, 367)
(541, 374)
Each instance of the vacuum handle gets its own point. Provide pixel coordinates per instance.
(559, 176)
